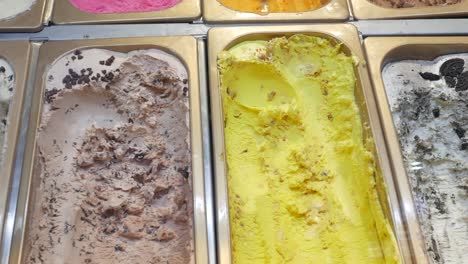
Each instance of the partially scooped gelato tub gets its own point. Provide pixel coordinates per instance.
(119, 6)
(125, 11)
(295, 164)
(258, 6)
(113, 174)
(232, 11)
(421, 89)
(393, 9)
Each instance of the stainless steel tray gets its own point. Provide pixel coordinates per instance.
(65, 13)
(220, 39)
(382, 51)
(364, 9)
(30, 21)
(184, 48)
(17, 53)
(335, 10)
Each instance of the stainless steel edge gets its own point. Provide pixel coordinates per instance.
(366, 27)
(48, 12)
(207, 161)
(17, 170)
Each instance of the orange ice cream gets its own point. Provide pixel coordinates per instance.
(273, 6)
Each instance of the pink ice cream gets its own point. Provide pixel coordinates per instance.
(122, 6)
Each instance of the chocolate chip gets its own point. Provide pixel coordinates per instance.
(462, 82)
(4, 122)
(102, 62)
(2, 69)
(436, 112)
(50, 94)
(452, 67)
(184, 172)
(458, 130)
(77, 52)
(73, 58)
(80, 57)
(429, 76)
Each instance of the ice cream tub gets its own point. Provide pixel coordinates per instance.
(414, 58)
(365, 9)
(15, 59)
(29, 16)
(231, 202)
(152, 202)
(66, 12)
(228, 11)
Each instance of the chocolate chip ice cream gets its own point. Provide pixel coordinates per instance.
(114, 163)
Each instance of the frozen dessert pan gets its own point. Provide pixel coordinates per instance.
(389, 49)
(364, 9)
(183, 48)
(30, 21)
(16, 53)
(66, 13)
(215, 12)
(220, 39)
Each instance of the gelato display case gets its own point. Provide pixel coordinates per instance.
(224, 131)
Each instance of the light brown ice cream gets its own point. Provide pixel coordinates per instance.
(413, 3)
(114, 162)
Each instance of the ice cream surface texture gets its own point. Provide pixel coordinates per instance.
(12, 8)
(429, 102)
(273, 6)
(300, 173)
(7, 85)
(123, 6)
(113, 163)
(413, 3)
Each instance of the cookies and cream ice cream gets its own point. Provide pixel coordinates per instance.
(12, 8)
(7, 85)
(273, 6)
(123, 6)
(413, 3)
(429, 102)
(300, 173)
(113, 162)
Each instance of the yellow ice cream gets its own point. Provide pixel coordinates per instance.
(271, 6)
(300, 173)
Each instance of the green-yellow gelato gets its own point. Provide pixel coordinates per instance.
(300, 172)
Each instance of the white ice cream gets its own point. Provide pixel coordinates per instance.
(426, 115)
(7, 83)
(12, 8)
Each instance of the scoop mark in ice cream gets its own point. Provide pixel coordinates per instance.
(114, 166)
